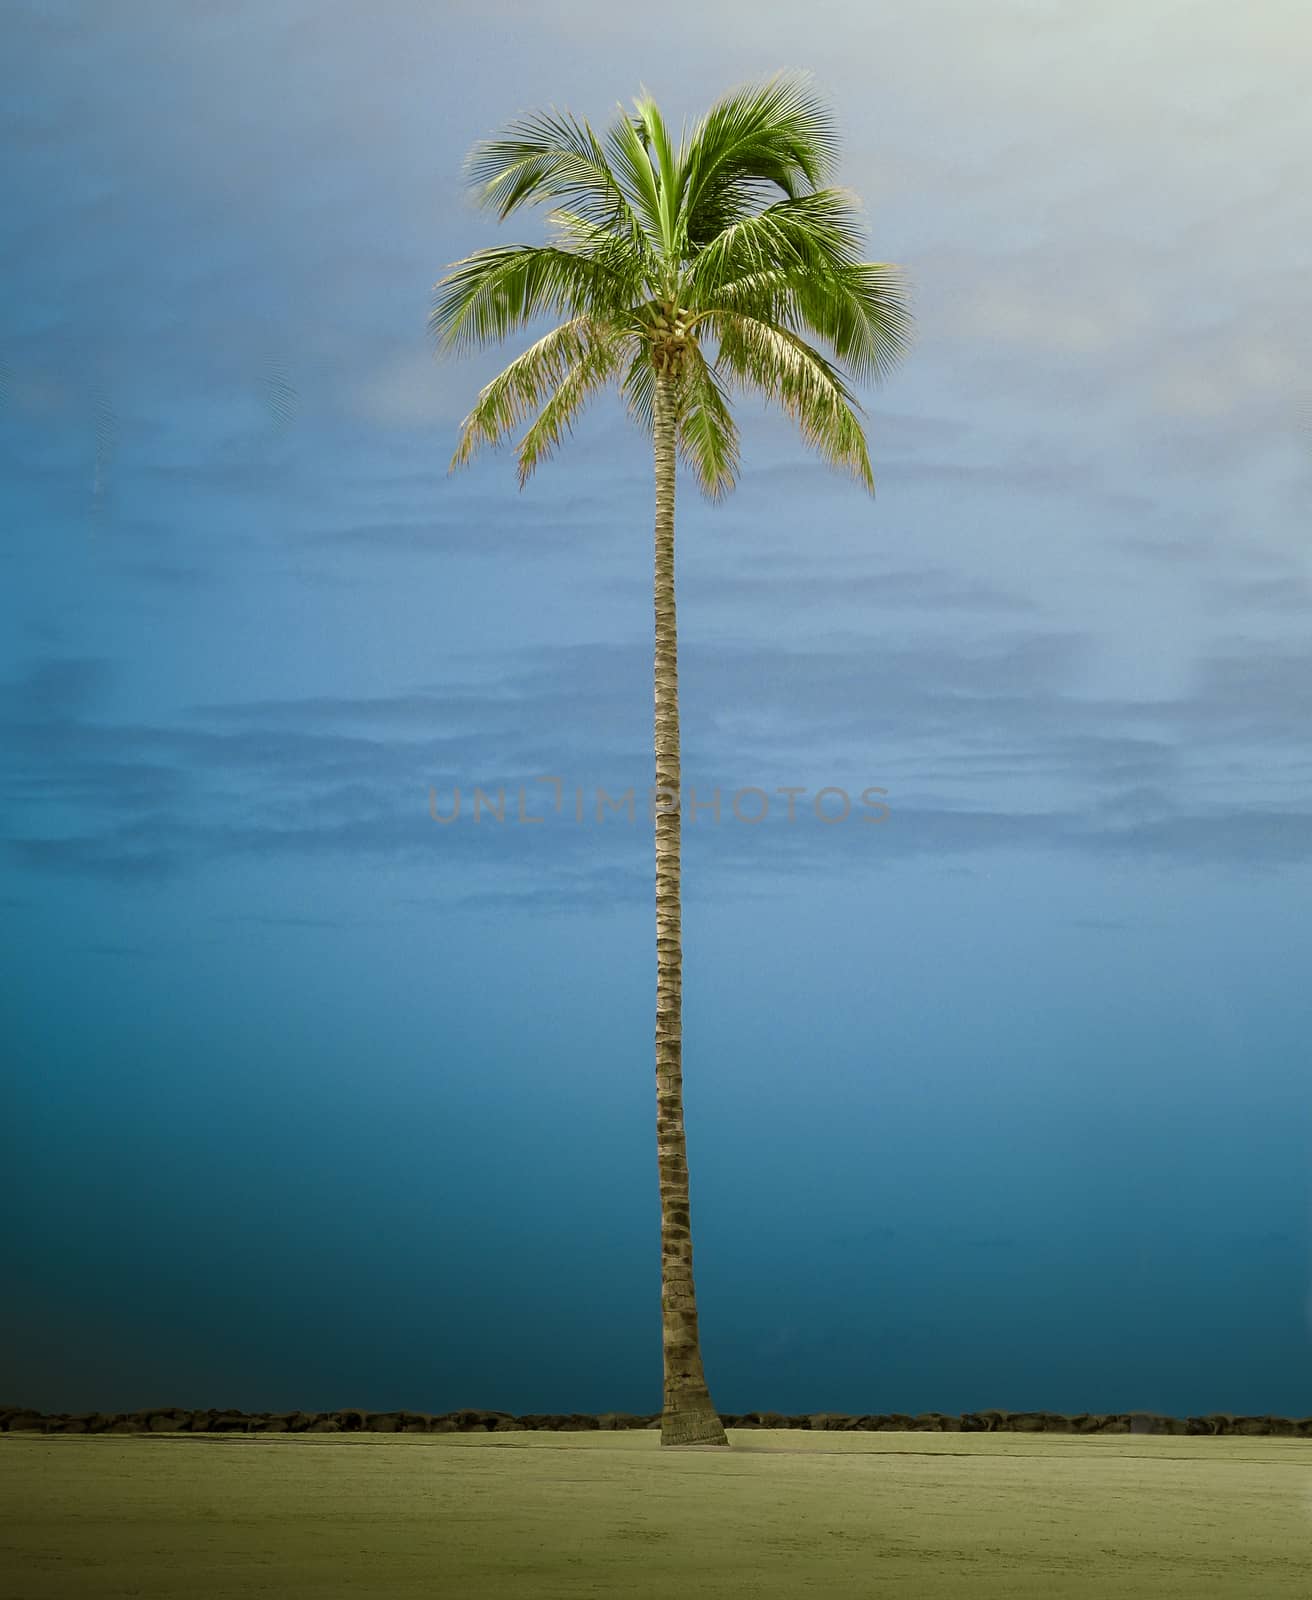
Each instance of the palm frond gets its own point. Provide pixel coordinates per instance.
(489, 294)
(796, 264)
(546, 157)
(650, 127)
(638, 387)
(820, 232)
(637, 267)
(776, 135)
(863, 311)
(521, 388)
(781, 367)
(708, 435)
(594, 368)
(628, 158)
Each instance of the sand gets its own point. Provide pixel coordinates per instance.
(544, 1515)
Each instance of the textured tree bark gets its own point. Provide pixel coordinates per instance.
(688, 1417)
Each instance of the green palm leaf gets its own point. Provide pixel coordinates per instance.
(708, 435)
(781, 367)
(578, 346)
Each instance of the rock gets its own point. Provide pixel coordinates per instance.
(167, 1421)
(1038, 1422)
(383, 1422)
(477, 1421)
(1146, 1422)
(1282, 1428)
(326, 1423)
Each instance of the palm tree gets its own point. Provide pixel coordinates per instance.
(681, 273)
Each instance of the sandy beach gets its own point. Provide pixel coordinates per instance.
(548, 1515)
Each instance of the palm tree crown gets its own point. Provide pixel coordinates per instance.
(720, 262)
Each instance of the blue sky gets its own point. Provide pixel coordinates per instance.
(314, 1102)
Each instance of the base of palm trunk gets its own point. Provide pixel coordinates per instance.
(692, 1422)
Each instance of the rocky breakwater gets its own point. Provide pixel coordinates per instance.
(173, 1420)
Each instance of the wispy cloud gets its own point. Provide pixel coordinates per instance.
(980, 749)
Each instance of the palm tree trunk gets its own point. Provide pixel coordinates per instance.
(688, 1416)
